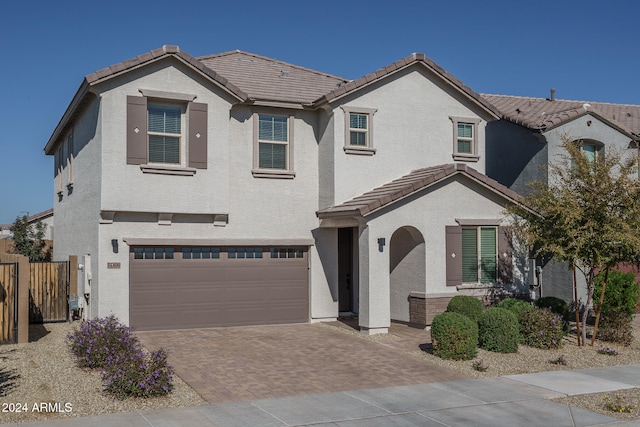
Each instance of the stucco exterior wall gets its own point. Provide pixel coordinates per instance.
(515, 156)
(76, 209)
(429, 211)
(412, 129)
(125, 187)
(257, 208)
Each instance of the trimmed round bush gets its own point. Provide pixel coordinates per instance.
(555, 305)
(516, 306)
(541, 328)
(466, 305)
(498, 330)
(454, 336)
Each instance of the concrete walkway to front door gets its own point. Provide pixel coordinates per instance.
(264, 362)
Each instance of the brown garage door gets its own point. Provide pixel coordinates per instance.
(195, 287)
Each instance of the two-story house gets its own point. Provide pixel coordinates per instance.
(236, 189)
(522, 145)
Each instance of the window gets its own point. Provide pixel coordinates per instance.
(200, 253)
(273, 146)
(152, 253)
(70, 158)
(479, 255)
(591, 151)
(465, 138)
(165, 134)
(359, 130)
(273, 139)
(240, 253)
(158, 138)
(287, 253)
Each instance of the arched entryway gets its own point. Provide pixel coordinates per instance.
(406, 269)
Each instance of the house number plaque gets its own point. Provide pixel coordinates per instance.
(113, 265)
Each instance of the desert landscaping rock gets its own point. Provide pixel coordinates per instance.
(43, 374)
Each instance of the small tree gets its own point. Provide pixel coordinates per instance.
(28, 239)
(587, 215)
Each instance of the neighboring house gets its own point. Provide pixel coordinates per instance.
(5, 231)
(528, 139)
(46, 217)
(236, 189)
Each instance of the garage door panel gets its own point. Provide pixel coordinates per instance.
(193, 293)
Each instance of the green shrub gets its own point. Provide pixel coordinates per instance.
(454, 336)
(541, 328)
(498, 330)
(615, 327)
(466, 305)
(555, 305)
(621, 294)
(516, 306)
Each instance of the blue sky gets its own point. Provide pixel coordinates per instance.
(586, 50)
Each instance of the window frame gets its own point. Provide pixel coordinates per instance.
(70, 158)
(194, 131)
(367, 149)
(182, 137)
(257, 171)
(479, 254)
(460, 156)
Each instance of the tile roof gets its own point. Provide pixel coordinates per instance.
(415, 58)
(166, 50)
(263, 78)
(543, 114)
(407, 185)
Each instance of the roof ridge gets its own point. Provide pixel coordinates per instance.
(559, 100)
(255, 55)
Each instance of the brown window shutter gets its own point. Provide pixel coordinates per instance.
(454, 255)
(197, 135)
(136, 130)
(505, 255)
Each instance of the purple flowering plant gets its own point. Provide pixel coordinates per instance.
(541, 328)
(138, 374)
(127, 369)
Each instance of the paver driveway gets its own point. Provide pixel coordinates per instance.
(260, 362)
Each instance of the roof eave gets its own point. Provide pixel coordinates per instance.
(81, 96)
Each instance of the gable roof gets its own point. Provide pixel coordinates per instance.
(267, 79)
(415, 58)
(543, 114)
(84, 95)
(409, 184)
(257, 79)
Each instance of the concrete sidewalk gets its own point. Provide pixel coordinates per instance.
(514, 400)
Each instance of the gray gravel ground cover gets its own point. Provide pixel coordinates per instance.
(40, 380)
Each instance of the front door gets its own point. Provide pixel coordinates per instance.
(345, 270)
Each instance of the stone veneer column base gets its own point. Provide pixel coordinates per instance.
(423, 308)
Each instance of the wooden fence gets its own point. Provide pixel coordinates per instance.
(8, 302)
(48, 291)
